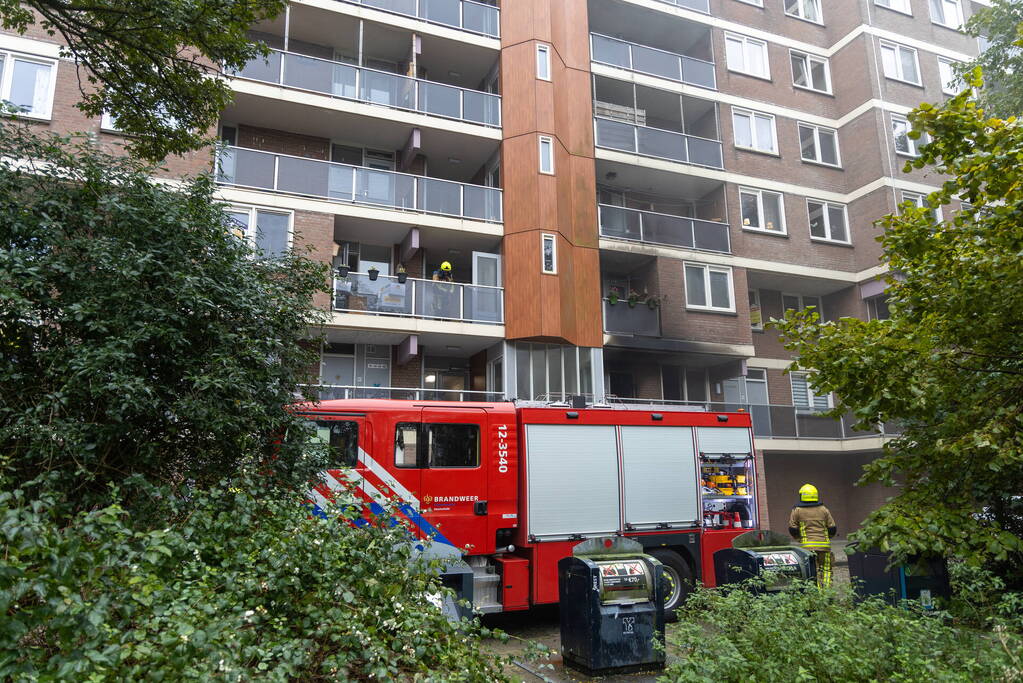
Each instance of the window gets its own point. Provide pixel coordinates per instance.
(799, 302)
(950, 83)
(811, 72)
(554, 371)
(27, 83)
(543, 62)
(758, 3)
(753, 130)
(342, 438)
(546, 155)
(900, 62)
(453, 445)
(747, 55)
(818, 144)
(904, 144)
(756, 318)
(920, 202)
(803, 396)
(762, 210)
(897, 5)
(810, 10)
(108, 122)
(877, 308)
(406, 444)
(828, 221)
(947, 13)
(548, 253)
(709, 287)
(267, 231)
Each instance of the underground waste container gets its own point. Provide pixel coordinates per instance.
(612, 607)
(920, 579)
(767, 555)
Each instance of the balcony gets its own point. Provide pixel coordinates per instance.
(360, 84)
(468, 16)
(328, 392)
(249, 168)
(425, 299)
(621, 223)
(698, 5)
(649, 60)
(638, 321)
(657, 143)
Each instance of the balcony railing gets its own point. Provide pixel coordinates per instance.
(345, 81)
(251, 168)
(639, 320)
(464, 14)
(328, 392)
(698, 5)
(657, 143)
(781, 421)
(661, 228)
(649, 60)
(416, 298)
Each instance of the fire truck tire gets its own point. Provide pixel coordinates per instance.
(679, 576)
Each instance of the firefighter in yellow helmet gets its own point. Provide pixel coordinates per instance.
(813, 525)
(443, 274)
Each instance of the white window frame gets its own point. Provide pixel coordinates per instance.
(955, 5)
(947, 64)
(810, 395)
(899, 75)
(760, 211)
(807, 58)
(919, 200)
(253, 211)
(7, 78)
(827, 221)
(548, 142)
(800, 10)
(553, 239)
(903, 6)
(707, 269)
(914, 145)
(818, 307)
(752, 116)
(754, 302)
(755, 3)
(817, 144)
(747, 42)
(107, 123)
(543, 62)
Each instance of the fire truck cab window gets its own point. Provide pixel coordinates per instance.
(454, 445)
(342, 436)
(406, 440)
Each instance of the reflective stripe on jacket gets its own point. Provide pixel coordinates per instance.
(813, 523)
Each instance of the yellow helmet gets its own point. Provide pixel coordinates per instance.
(446, 266)
(808, 494)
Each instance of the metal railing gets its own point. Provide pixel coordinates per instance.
(329, 392)
(469, 16)
(657, 143)
(638, 320)
(349, 82)
(782, 421)
(621, 223)
(650, 60)
(251, 168)
(416, 298)
(698, 5)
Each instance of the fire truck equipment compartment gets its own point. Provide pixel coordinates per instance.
(612, 607)
(659, 476)
(723, 440)
(767, 555)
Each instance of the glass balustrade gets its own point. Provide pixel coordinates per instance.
(659, 228)
(698, 5)
(456, 301)
(658, 143)
(464, 14)
(340, 182)
(338, 79)
(639, 320)
(649, 60)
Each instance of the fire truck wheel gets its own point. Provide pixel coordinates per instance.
(679, 577)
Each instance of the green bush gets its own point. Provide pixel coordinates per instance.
(239, 585)
(814, 635)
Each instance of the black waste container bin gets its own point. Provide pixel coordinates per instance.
(920, 579)
(764, 554)
(612, 607)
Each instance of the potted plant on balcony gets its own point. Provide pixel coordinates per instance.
(402, 274)
(373, 272)
(342, 271)
(653, 301)
(633, 298)
(612, 296)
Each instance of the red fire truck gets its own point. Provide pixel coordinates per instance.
(510, 488)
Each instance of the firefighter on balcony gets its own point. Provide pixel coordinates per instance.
(443, 274)
(814, 526)
(443, 297)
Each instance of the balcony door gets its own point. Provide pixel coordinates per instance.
(484, 304)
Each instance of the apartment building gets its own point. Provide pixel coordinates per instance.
(626, 190)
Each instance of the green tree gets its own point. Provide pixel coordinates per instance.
(137, 334)
(1001, 26)
(949, 362)
(151, 63)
